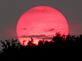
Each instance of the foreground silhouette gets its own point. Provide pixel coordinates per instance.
(13, 47)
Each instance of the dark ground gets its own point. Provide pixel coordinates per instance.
(59, 46)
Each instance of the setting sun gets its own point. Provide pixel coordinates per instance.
(41, 22)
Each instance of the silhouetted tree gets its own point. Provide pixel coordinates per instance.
(13, 47)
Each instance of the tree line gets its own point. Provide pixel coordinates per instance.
(13, 47)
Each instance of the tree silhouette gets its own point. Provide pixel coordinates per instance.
(13, 47)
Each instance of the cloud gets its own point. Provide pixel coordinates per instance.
(50, 30)
(37, 36)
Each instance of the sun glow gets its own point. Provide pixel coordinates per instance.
(41, 22)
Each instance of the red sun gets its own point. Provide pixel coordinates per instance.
(41, 22)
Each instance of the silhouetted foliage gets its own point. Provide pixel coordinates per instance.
(13, 47)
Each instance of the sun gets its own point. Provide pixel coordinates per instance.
(41, 23)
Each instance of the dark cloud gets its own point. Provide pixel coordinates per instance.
(36, 36)
(50, 30)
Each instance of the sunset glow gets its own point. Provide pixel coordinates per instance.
(41, 22)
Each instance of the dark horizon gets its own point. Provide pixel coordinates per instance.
(13, 48)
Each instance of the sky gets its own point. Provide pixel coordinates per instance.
(11, 10)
